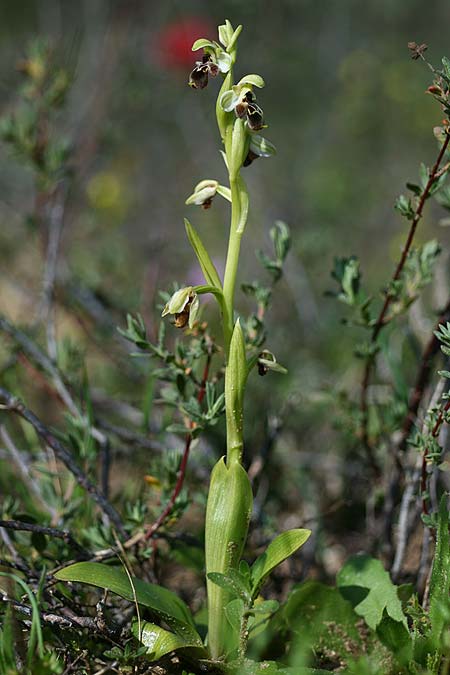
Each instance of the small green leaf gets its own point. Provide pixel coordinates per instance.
(160, 600)
(278, 550)
(234, 612)
(232, 583)
(366, 584)
(160, 642)
(207, 265)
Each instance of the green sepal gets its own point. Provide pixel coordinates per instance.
(201, 43)
(209, 271)
(232, 43)
(253, 80)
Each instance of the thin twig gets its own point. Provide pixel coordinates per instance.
(434, 433)
(14, 405)
(423, 376)
(403, 529)
(400, 444)
(50, 531)
(55, 208)
(184, 460)
(381, 320)
(25, 471)
(31, 350)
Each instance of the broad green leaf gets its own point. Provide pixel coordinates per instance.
(366, 584)
(440, 575)
(320, 617)
(261, 613)
(160, 642)
(278, 550)
(232, 583)
(207, 265)
(160, 600)
(396, 638)
(272, 668)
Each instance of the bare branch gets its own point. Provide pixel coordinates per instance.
(14, 405)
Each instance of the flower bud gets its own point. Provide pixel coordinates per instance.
(203, 193)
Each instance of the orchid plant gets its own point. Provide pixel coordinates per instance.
(233, 587)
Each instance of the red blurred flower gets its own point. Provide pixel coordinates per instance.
(176, 40)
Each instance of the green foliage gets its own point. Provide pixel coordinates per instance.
(185, 385)
(161, 601)
(282, 547)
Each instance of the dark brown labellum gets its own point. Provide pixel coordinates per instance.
(207, 203)
(198, 79)
(249, 97)
(213, 69)
(251, 156)
(262, 369)
(241, 109)
(181, 319)
(255, 117)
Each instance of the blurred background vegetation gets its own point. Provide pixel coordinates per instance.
(347, 111)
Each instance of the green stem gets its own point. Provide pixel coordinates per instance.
(234, 246)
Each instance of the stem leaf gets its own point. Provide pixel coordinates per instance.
(209, 271)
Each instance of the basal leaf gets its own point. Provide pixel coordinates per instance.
(160, 642)
(278, 550)
(160, 600)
